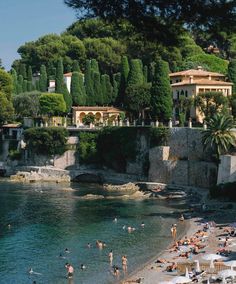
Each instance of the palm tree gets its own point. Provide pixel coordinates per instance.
(219, 136)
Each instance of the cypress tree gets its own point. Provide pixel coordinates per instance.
(136, 73)
(77, 89)
(29, 74)
(145, 74)
(98, 95)
(75, 66)
(116, 79)
(89, 84)
(37, 85)
(59, 77)
(124, 77)
(51, 71)
(232, 74)
(20, 84)
(94, 65)
(25, 84)
(29, 86)
(43, 82)
(67, 98)
(161, 93)
(107, 89)
(22, 70)
(14, 79)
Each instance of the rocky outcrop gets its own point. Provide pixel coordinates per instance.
(41, 174)
(118, 190)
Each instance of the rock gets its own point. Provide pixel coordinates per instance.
(91, 197)
(118, 190)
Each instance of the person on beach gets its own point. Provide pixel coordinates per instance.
(124, 263)
(173, 231)
(110, 255)
(116, 271)
(181, 217)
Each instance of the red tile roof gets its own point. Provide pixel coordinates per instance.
(202, 82)
(196, 72)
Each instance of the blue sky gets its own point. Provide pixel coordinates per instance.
(26, 20)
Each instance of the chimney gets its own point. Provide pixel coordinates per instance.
(190, 79)
(209, 77)
(200, 68)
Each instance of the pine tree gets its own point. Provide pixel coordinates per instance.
(89, 84)
(77, 89)
(136, 73)
(98, 95)
(232, 74)
(161, 94)
(43, 82)
(14, 79)
(59, 77)
(75, 66)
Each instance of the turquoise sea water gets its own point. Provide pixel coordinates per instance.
(45, 219)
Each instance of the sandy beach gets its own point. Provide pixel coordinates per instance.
(219, 215)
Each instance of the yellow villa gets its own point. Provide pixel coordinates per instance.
(102, 114)
(192, 82)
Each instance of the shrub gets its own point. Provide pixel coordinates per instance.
(88, 147)
(159, 136)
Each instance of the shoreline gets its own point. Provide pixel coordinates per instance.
(151, 262)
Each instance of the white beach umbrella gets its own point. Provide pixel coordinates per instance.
(180, 280)
(227, 273)
(198, 269)
(186, 273)
(208, 281)
(212, 256)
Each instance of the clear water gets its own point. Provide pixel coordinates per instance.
(45, 219)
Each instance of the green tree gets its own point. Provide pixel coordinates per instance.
(59, 77)
(88, 118)
(232, 73)
(94, 65)
(161, 94)
(43, 80)
(25, 85)
(6, 107)
(27, 104)
(14, 79)
(210, 103)
(184, 106)
(107, 89)
(6, 84)
(67, 98)
(136, 73)
(137, 99)
(20, 81)
(124, 77)
(22, 70)
(98, 95)
(77, 89)
(116, 82)
(52, 104)
(75, 66)
(89, 84)
(218, 135)
(46, 141)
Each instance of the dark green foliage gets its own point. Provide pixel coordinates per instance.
(124, 71)
(233, 105)
(98, 95)
(159, 136)
(22, 71)
(20, 81)
(6, 83)
(6, 108)
(27, 104)
(52, 104)
(107, 89)
(46, 141)
(88, 118)
(43, 80)
(210, 103)
(89, 84)
(232, 73)
(116, 146)
(14, 80)
(219, 136)
(161, 94)
(29, 74)
(94, 65)
(59, 77)
(137, 98)
(116, 82)
(88, 148)
(225, 191)
(25, 85)
(67, 98)
(75, 66)
(77, 89)
(29, 86)
(136, 73)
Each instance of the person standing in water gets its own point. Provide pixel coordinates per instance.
(110, 255)
(70, 270)
(124, 263)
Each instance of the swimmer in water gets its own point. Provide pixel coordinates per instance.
(110, 255)
(66, 250)
(31, 271)
(89, 245)
(82, 267)
(142, 224)
(61, 256)
(115, 220)
(124, 227)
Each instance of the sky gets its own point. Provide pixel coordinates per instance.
(26, 20)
